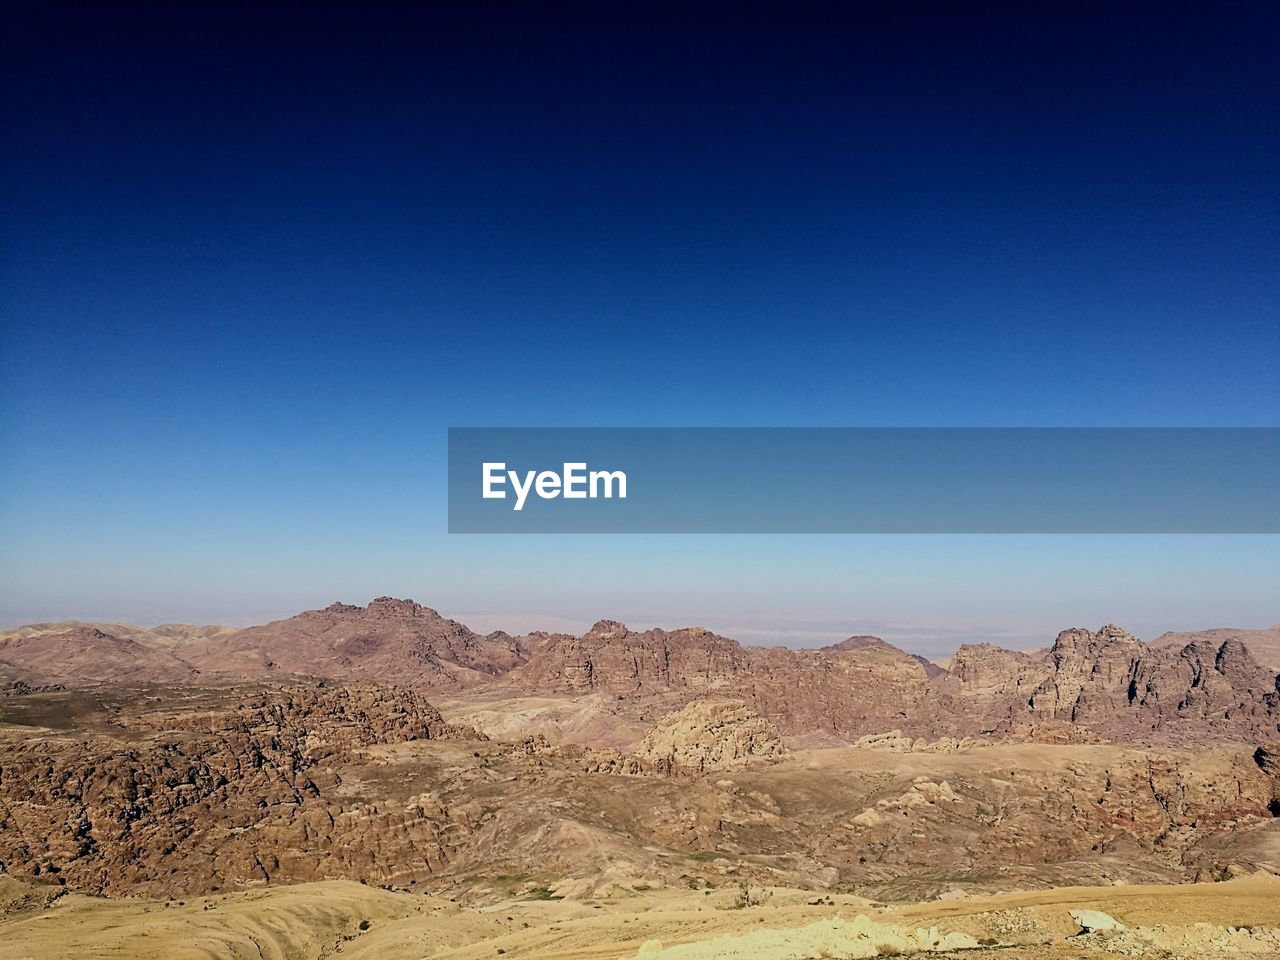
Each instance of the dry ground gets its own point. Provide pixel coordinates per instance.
(349, 920)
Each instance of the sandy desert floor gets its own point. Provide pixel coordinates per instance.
(345, 919)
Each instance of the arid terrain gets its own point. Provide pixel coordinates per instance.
(382, 781)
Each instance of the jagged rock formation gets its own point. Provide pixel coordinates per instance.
(1105, 683)
(864, 641)
(195, 801)
(897, 742)
(86, 654)
(845, 693)
(987, 687)
(1111, 684)
(1088, 685)
(709, 735)
(1263, 645)
(388, 639)
(612, 658)
(847, 689)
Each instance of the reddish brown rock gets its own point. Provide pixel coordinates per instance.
(987, 688)
(192, 801)
(389, 639)
(1111, 685)
(709, 735)
(614, 659)
(88, 655)
(1263, 645)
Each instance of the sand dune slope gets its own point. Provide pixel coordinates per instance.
(330, 919)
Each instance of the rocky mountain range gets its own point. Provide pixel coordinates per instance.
(389, 745)
(1104, 683)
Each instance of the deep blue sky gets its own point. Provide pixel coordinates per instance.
(254, 264)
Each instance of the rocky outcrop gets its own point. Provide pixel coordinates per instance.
(991, 683)
(612, 658)
(864, 642)
(845, 693)
(1263, 645)
(1089, 685)
(1267, 757)
(709, 735)
(1104, 683)
(862, 685)
(896, 742)
(1091, 675)
(388, 639)
(223, 798)
(1110, 682)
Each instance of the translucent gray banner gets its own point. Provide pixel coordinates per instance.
(864, 480)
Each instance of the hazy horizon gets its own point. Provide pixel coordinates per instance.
(934, 640)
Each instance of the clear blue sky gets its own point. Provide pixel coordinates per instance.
(255, 264)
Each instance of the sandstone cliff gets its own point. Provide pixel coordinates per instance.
(612, 658)
(845, 690)
(1112, 684)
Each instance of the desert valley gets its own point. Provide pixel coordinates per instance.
(382, 781)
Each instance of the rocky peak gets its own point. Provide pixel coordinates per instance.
(393, 607)
(986, 666)
(609, 657)
(1114, 683)
(338, 607)
(608, 628)
(857, 642)
(1078, 642)
(1227, 665)
(388, 639)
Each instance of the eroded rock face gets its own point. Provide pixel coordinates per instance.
(198, 801)
(1263, 645)
(1103, 684)
(844, 692)
(988, 687)
(710, 735)
(1108, 684)
(612, 658)
(859, 686)
(1098, 684)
